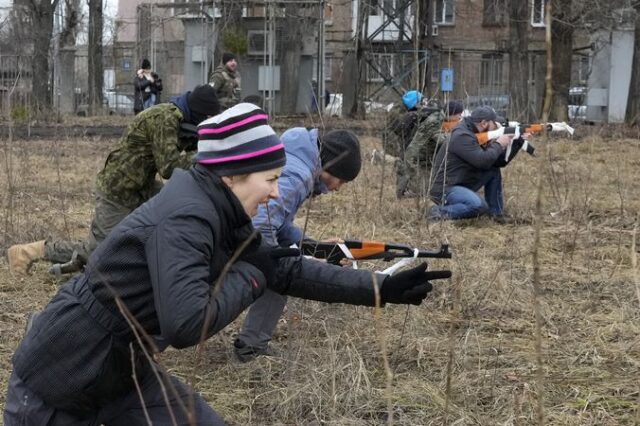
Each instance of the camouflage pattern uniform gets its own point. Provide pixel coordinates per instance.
(400, 127)
(155, 142)
(412, 173)
(227, 85)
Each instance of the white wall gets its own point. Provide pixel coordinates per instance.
(620, 78)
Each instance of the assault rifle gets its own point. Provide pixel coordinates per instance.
(517, 130)
(188, 137)
(369, 250)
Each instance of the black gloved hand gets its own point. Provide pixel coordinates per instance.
(266, 260)
(410, 286)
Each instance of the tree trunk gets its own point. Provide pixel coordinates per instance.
(352, 106)
(41, 17)
(291, 50)
(632, 116)
(94, 56)
(519, 60)
(426, 43)
(561, 54)
(231, 30)
(71, 22)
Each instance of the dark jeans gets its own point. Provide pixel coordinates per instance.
(23, 407)
(461, 202)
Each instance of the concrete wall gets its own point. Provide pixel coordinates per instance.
(610, 76)
(198, 52)
(621, 62)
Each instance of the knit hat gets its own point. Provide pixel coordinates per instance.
(411, 99)
(203, 103)
(239, 141)
(146, 64)
(455, 107)
(227, 56)
(483, 113)
(340, 154)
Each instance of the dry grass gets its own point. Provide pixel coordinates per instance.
(466, 356)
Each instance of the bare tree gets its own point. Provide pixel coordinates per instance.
(519, 60)
(72, 17)
(95, 69)
(632, 116)
(562, 29)
(40, 19)
(295, 22)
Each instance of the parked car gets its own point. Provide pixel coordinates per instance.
(113, 102)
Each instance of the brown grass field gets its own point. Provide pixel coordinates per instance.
(472, 354)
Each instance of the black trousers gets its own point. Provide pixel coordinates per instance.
(23, 407)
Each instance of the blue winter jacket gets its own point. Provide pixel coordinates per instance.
(300, 179)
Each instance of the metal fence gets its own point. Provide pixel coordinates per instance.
(15, 86)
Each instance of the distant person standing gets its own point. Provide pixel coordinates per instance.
(147, 86)
(226, 81)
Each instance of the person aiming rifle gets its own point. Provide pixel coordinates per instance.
(463, 166)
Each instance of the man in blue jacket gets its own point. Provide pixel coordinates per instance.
(315, 165)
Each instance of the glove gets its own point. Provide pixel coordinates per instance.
(410, 286)
(266, 260)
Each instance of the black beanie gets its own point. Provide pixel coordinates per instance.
(203, 103)
(227, 56)
(455, 107)
(340, 154)
(146, 64)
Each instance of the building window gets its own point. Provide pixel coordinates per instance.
(495, 12)
(435, 69)
(258, 42)
(381, 67)
(538, 12)
(580, 69)
(326, 70)
(443, 12)
(491, 70)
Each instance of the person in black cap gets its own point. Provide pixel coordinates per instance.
(158, 140)
(412, 174)
(226, 81)
(463, 166)
(316, 164)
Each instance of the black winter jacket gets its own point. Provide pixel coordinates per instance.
(162, 263)
(462, 161)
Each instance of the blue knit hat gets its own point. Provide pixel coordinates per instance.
(239, 141)
(411, 99)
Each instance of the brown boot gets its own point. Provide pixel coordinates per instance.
(22, 256)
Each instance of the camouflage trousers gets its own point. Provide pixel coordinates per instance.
(413, 170)
(107, 214)
(412, 179)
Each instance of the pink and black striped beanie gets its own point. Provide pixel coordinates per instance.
(239, 141)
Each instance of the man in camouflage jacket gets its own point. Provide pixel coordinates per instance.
(226, 81)
(157, 141)
(413, 172)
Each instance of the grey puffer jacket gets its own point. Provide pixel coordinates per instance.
(162, 263)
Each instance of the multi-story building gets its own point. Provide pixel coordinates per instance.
(469, 39)
(181, 43)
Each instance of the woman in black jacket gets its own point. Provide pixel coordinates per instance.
(180, 267)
